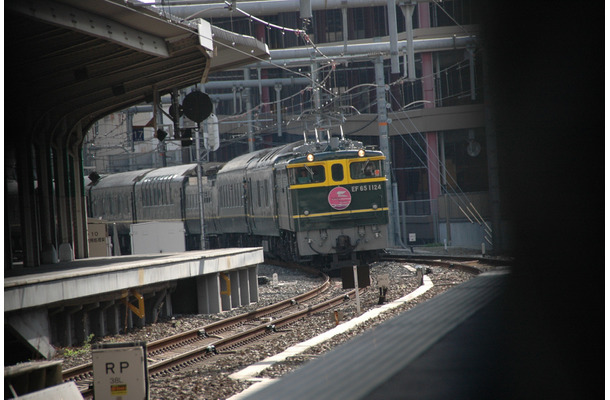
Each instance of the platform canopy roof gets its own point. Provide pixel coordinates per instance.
(70, 62)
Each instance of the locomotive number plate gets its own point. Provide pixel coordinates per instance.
(366, 188)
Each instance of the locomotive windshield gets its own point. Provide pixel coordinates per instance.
(337, 172)
(307, 174)
(366, 169)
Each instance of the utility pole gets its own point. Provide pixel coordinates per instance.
(384, 146)
(199, 185)
(249, 113)
(158, 116)
(278, 108)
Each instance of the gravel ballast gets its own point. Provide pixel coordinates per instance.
(211, 380)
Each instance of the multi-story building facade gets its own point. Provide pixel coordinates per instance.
(405, 76)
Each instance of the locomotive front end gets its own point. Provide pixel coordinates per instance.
(338, 204)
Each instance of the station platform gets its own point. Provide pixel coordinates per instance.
(457, 345)
(64, 303)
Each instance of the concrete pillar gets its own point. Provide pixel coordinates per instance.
(225, 298)
(157, 309)
(47, 208)
(91, 320)
(208, 294)
(235, 289)
(244, 287)
(67, 336)
(253, 283)
(168, 305)
(407, 8)
(394, 65)
(434, 186)
(71, 325)
(140, 322)
(129, 318)
(63, 204)
(81, 242)
(113, 319)
(29, 207)
(85, 328)
(81, 326)
(495, 234)
(98, 322)
(99, 319)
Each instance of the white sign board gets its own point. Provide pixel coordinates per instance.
(204, 28)
(412, 237)
(275, 281)
(99, 241)
(211, 137)
(119, 373)
(157, 237)
(383, 280)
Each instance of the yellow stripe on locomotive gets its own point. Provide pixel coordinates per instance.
(328, 172)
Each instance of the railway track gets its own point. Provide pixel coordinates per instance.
(225, 336)
(473, 265)
(183, 349)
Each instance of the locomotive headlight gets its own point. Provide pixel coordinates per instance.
(375, 206)
(361, 153)
(309, 157)
(306, 212)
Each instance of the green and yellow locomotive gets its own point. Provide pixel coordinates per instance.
(318, 201)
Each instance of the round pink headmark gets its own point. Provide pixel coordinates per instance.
(339, 198)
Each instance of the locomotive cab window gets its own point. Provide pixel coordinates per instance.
(366, 169)
(337, 172)
(307, 174)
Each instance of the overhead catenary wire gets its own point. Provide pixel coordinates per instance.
(464, 203)
(438, 5)
(315, 85)
(460, 197)
(320, 85)
(436, 168)
(335, 97)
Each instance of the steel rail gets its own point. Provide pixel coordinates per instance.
(85, 371)
(242, 337)
(464, 263)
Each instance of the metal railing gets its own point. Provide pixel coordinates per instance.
(427, 218)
